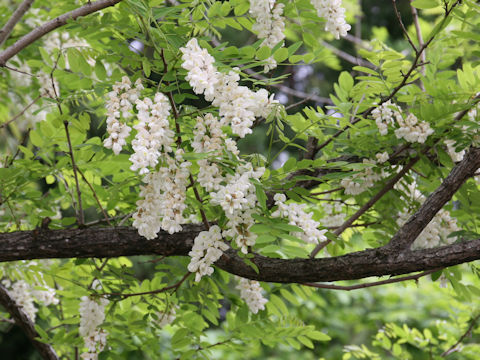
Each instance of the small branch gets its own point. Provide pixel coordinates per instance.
(407, 234)
(372, 284)
(14, 19)
(404, 30)
(26, 324)
(79, 210)
(454, 347)
(388, 186)
(347, 57)
(153, 292)
(5, 124)
(418, 30)
(289, 91)
(105, 215)
(59, 21)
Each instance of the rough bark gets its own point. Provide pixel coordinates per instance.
(22, 320)
(124, 241)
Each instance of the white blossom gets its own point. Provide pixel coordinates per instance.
(251, 293)
(456, 156)
(238, 105)
(407, 127)
(269, 24)
(153, 133)
(92, 315)
(120, 104)
(164, 197)
(361, 181)
(334, 214)
(334, 14)
(207, 248)
(297, 216)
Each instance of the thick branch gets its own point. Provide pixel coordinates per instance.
(22, 320)
(59, 21)
(16, 16)
(417, 222)
(113, 242)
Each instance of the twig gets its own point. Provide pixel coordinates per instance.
(96, 198)
(367, 285)
(396, 89)
(153, 292)
(14, 19)
(51, 25)
(20, 113)
(454, 348)
(404, 30)
(388, 186)
(79, 211)
(347, 57)
(26, 324)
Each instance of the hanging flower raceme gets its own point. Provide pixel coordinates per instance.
(238, 105)
(270, 25)
(298, 217)
(207, 248)
(164, 197)
(334, 15)
(407, 127)
(119, 104)
(153, 133)
(363, 180)
(251, 293)
(92, 315)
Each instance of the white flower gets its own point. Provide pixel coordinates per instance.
(164, 197)
(208, 247)
(120, 104)
(270, 25)
(409, 128)
(92, 315)
(298, 217)
(251, 293)
(361, 181)
(238, 105)
(334, 14)
(456, 156)
(153, 133)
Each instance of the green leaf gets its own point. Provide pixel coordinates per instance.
(424, 4)
(280, 55)
(263, 53)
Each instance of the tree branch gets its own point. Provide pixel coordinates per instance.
(24, 322)
(59, 21)
(16, 16)
(417, 222)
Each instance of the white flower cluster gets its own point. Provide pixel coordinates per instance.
(166, 318)
(456, 156)
(92, 315)
(153, 133)
(164, 197)
(209, 138)
(238, 199)
(25, 295)
(362, 180)
(334, 214)
(270, 25)
(238, 105)
(334, 14)
(438, 229)
(436, 232)
(120, 104)
(207, 248)
(298, 217)
(251, 293)
(409, 128)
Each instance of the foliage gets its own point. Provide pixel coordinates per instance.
(400, 113)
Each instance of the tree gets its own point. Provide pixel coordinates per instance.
(127, 132)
